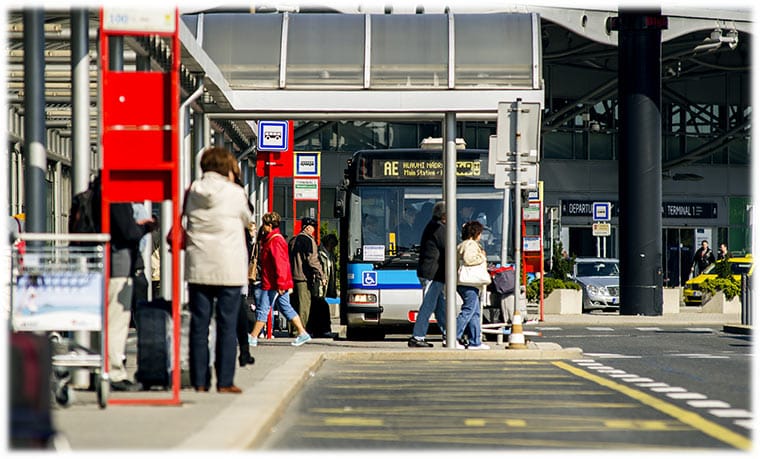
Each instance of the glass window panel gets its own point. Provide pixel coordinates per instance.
(493, 49)
(191, 21)
(403, 135)
(325, 49)
(245, 47)
(672, 147)
(409, 50)
(738, 151)
(558, 145)
(579, 146)
(600, 146)
(692, 143)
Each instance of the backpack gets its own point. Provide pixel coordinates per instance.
(84, 216)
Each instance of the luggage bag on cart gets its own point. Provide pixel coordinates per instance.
(154, 337)
(30, 369)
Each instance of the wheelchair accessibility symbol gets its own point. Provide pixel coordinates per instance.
(369, 278)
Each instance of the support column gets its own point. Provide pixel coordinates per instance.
(199, 140)
(640, 161)
(80, 100)
(450, 195)
(35, 142)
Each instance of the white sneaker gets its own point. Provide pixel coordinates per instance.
(481, 346)
(460, 346)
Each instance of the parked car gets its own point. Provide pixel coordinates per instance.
(692, 292)
(599, 279)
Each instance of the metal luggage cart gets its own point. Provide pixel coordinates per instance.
(58, 288)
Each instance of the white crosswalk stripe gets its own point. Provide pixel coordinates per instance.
(668, 389)
(731, 413)
(746, 423)
(701, 356)
(652, 384)
(708, 404)
(612, 356)
(687, 396)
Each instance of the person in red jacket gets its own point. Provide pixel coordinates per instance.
(276, 280)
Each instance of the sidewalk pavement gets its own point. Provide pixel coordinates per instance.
(212, 421)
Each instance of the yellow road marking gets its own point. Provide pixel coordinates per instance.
(353, 421)
(475, 422)
(687, 417)
(515, 422)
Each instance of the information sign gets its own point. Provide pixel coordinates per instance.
(602, 211)
(601, 229)
(272, 136)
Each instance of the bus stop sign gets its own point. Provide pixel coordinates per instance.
(602, 211)
(272, 136)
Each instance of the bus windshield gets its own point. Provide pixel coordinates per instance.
(386, 222)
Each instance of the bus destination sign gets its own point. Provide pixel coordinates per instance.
(404, 169)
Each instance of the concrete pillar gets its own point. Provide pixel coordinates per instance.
(640, 161)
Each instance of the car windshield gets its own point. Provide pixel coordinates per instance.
(740, 268)
(597, 268)
(737, 267)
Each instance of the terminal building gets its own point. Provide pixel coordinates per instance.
(378, 77)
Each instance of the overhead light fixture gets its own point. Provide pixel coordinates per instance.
(716, 40)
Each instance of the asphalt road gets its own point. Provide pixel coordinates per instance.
(637, 388)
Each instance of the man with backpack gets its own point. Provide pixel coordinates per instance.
(307, 271)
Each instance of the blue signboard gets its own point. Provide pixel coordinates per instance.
(272, 136)
(369, 279)
(602, 211)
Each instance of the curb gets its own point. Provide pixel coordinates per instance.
(738, 329)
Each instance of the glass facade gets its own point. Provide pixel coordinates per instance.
(404, 51)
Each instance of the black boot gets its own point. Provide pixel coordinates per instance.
(246, 359)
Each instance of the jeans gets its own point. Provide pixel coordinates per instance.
(227, 308)
(433, 300)
(469, 317)
(283, 304)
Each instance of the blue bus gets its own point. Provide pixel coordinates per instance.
(384, 202)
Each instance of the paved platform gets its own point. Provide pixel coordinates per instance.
(212, 421)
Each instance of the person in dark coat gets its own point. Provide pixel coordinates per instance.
(431, 271)
(703, 258)
(126, 233)
(319, 319)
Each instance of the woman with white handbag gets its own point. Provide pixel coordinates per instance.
(472, 279)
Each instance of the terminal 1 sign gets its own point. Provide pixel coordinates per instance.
(582, 208)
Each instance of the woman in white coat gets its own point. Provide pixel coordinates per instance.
(216, 267)
(470, 253)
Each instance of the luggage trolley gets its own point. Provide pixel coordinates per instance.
(58, 287)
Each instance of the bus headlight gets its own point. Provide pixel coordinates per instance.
(362, 298)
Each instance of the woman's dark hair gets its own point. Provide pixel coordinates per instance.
(217, 159)
(271, 218)
(471, 230)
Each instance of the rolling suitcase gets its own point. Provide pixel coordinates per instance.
(154, 336)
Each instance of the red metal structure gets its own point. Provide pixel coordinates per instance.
(533, 243)
(140, 145)
(272, 164)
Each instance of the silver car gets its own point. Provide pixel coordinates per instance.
(600, 280)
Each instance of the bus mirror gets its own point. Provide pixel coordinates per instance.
(340, 202)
